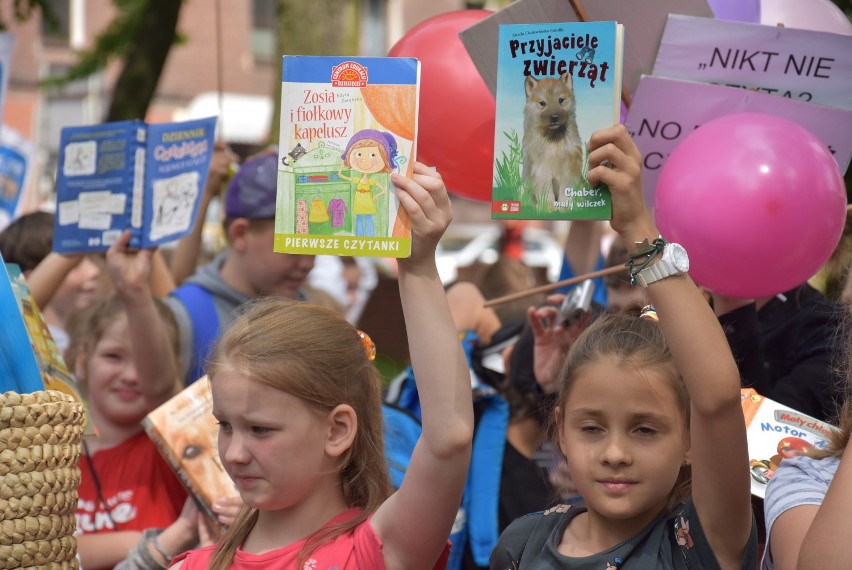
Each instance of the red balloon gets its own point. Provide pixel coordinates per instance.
(456, 124)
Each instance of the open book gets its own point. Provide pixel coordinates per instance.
(776, 432)
(556, 84)
(129, 175)
(185, 432)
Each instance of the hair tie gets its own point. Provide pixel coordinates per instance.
(649, 312)
(369, 345)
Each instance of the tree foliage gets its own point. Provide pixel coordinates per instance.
(299, 31)
(141, 36)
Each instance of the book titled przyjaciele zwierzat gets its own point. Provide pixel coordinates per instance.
(556, 84)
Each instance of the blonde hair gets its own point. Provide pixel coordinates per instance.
(312, 353)
(634, 340)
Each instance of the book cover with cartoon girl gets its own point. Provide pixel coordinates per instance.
(556, 84)
(347, 123)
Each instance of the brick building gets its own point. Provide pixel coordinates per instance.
(190, 84)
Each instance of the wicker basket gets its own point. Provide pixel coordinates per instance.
(39, 446)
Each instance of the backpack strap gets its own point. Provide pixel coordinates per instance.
(401, 432)
(483, 482)
(535, 540)
(205, 325)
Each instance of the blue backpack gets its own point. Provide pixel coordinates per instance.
(205, 325)
(477, 522)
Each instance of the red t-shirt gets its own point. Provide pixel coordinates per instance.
(137, 484)
(357, 550)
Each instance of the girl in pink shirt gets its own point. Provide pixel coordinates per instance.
(298, 402)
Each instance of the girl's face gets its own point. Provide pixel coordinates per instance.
(625, 438)
(273, 445)
(110, 377)
(366, 159)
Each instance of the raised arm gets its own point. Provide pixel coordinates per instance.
(720, 479)
(826, 543)
(583, 245)
(48, 275)
(185, 256)
(415, 522)
(162, 282)
(155, 362)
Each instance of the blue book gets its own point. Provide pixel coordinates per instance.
(19, 370)
(130, 175)
(13, 171)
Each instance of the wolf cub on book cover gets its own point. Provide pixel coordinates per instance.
(186, 433)
(553, 151)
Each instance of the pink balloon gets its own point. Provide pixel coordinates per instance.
(757, 201)
(818, 15)
(739, 10)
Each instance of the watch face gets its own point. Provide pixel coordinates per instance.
(678, 257)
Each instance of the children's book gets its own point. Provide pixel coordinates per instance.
(556, 84)
(185, 432)
(347, 123)
(776, 432)
(13, 171)
(129, 175)
(19, 370)
(55, 374)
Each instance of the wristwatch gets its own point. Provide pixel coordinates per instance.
(673, 262)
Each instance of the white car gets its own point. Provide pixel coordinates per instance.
(466, 244)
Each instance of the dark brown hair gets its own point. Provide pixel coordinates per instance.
(27, 240)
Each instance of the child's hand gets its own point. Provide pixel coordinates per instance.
(187, 522)
(220, 168)
(552, 339)
(622, 173)
(129, 271)
(227, 509)
(427, 203)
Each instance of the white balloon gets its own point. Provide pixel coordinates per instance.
(817, 15)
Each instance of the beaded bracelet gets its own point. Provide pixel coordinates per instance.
(646, 253)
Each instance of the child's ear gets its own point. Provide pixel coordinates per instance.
(557, 421)
(237, 231)
(342, 427)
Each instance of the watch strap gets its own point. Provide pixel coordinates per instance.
(653, 273)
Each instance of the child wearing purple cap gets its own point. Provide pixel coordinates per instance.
(368, 152)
